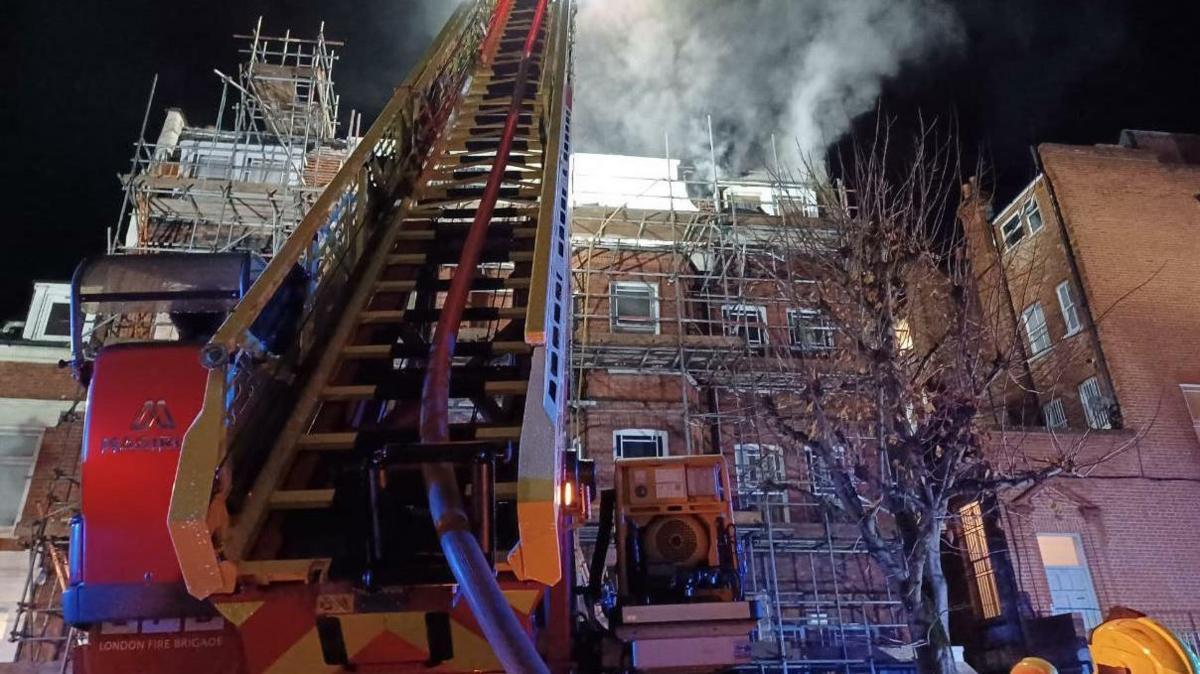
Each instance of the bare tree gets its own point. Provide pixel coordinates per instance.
(900, 408)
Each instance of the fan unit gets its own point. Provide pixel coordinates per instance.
(681, 541)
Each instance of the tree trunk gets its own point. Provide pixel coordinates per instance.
(929, 615)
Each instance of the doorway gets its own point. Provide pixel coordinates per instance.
(1071, 588)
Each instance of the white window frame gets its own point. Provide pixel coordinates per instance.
(660, 436)
(648, 324)
(1070, 311)
(1055, 414)
(1036, 332)
(26, 464)
(1007, 231)
(733, 320)
(816, 322)
(1095, 404)
(45, 297)
(755, 463)
(1028, 211)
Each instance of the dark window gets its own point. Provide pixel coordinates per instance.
(746, 321)
(634, 307)
(639, 444)
(810, 330)
(58, 323)
(1013, 231)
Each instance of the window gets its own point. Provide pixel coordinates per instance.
(1054, 414)
(211, 166)
(979, 559)
(747, 321)
(1012, 231)
(1035, 328)
(18, 450)
(1095, 404)
(639, 443)
(904, 336)
(820, 478)
(759, 464)
(271, 169)
(1033, 216)
(58, 321)
(49, 317)
(810, 330)
(759, 473)
(1067, 304)
(633, 307)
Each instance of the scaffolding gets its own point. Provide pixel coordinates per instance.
(244, 183)
(37, 625)
(710, 331)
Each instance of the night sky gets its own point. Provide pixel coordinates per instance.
(78, 74)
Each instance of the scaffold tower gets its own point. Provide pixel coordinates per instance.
(245, 182)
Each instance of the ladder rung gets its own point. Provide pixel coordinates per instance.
(364, 351)
(416, 235)
(367, 391)
(367, 351)
(397, 315)
(497, 432)
(510, 283)
(395, 286)
(407, 258)
(420, 258)
(301, 499)
(345, 441)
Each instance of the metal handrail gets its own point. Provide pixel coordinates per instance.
(327, 245)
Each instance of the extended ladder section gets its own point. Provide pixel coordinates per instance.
(324, 439)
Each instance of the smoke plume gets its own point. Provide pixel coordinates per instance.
(798, 70)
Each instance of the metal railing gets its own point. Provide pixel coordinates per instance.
(325, 250)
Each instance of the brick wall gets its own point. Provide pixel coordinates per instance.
(1011, 278)
(1132, 225)
(58, 455)
(38, 381)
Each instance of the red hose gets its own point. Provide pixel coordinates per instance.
(475, 577)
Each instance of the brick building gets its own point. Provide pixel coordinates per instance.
(1095, 265)
(679, 328)
(41, 432)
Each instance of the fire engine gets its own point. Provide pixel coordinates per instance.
(358, 461)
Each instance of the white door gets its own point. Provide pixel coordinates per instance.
(1071, 589)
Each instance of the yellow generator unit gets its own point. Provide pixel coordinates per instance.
(679, 601)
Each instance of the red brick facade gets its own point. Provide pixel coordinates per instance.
(1122, 227)
(698, 374)
(40, 400)
(61, 442)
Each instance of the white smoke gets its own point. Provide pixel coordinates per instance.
(795, 70)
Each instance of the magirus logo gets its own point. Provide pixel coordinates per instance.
(153, 415)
